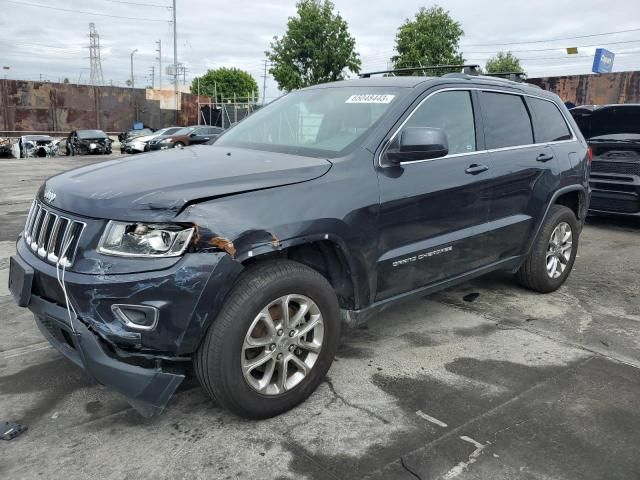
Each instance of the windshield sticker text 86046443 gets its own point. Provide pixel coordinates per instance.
(370, 98)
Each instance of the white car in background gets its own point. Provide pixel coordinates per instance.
(141, 144)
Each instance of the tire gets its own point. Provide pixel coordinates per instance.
(534, 273)
(178, 145)
(218, 363)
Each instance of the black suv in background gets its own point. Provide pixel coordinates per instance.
(88, 142)
(241, 258)
(613, 133)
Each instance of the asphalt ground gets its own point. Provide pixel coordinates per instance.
(507, 384)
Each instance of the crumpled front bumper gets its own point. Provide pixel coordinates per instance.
(147, 390)
(144, 366)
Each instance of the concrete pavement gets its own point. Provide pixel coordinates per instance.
(511, 385)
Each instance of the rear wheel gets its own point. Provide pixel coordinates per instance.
(553, 254)
(273, 341)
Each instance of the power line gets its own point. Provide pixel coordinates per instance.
(139, 4)
(83, 12)
(550, 39)
(559, 48)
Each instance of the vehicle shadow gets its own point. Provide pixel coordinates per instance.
(618, 222)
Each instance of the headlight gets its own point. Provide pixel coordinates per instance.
(144, 240)
(92, 146)
(167, 140)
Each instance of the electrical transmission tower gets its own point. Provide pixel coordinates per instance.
(94, 56)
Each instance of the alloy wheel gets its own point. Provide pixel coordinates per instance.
(282, 344)
(559, 250)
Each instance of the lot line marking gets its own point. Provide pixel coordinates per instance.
(26, 351)
(462, 466)
(431, 419)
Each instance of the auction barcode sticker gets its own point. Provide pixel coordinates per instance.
(370, 98)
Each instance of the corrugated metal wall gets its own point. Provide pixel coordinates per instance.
(58, 107)
(594, 89)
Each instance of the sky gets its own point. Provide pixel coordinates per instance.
(52, 43)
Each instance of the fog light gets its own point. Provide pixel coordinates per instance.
(137, 317)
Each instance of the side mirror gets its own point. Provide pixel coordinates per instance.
(418, 143)
(193, 135)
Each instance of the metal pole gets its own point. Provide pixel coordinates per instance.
(235, 110)
(175, 58)
(132, 83)
(159, 50)
(199, 100)
(264, 82)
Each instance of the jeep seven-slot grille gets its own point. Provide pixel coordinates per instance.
(52, 236)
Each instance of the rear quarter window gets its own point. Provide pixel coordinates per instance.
(506, 120)
(549, 124)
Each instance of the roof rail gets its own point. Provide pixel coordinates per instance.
(467, 69)
(513, 76)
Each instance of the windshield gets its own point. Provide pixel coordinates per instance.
(606, 122)
(184, 131)
(322, 120)
(91, 134)
(169, 131)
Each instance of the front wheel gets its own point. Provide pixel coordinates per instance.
(273, 341)
(553, 254)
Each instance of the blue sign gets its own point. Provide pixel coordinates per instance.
(138, 126)
(603, 61)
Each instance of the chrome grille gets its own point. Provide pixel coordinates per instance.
(51, 236)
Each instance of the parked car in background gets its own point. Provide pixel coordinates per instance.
(37, 146)
(240, 260)
(128, 136)
(88, 142)
(141, 143)
(613, 133)
(193, 135)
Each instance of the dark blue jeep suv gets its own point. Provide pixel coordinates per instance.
(242, 259)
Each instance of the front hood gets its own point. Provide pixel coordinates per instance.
(156, 186)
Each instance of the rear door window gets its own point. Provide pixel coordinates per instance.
(550, 125)
(506, 120)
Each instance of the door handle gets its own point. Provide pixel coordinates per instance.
(544, 157)
(475, 169)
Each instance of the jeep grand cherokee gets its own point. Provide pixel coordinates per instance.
(242, 258)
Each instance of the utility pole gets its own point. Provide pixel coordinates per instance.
(175, 58)
(264, 82)
(159, 58)
(132, 82)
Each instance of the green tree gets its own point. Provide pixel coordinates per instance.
(226, 82)
(317, 48)
(432, 37)
(503, 62)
